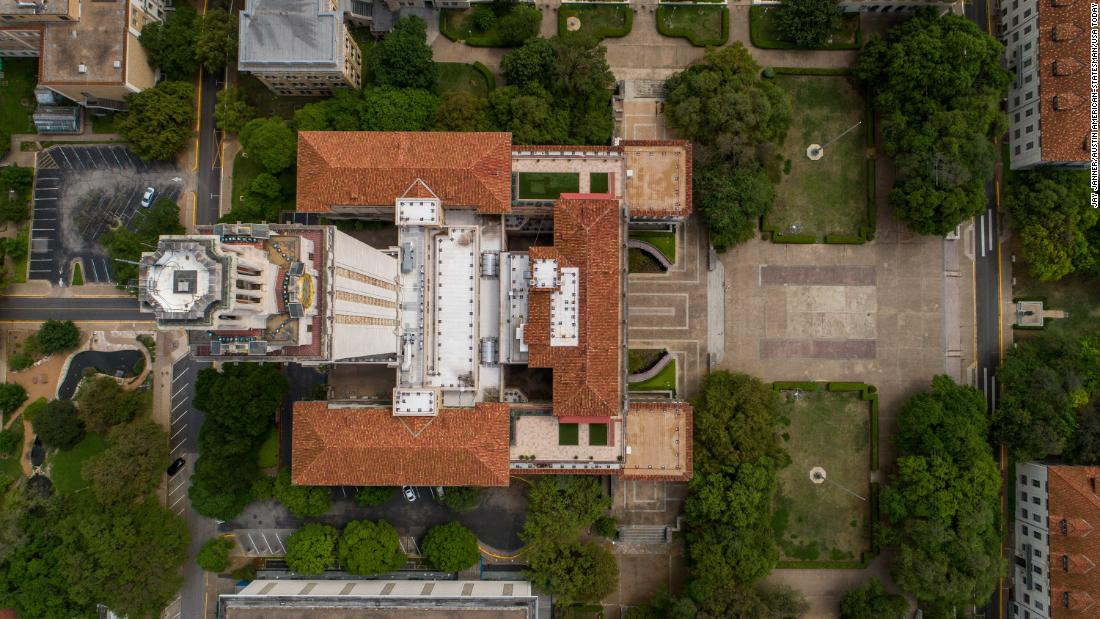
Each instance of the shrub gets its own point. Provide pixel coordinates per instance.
(483, 18)
(263, 488)
(311, 549)
(20, 361)
(605, 526)
(368, 547)
(58, 425)
(214, 555)
(371, 496)
(12, 397)
(461, 498)
(10, 441)
(245, 572)
(451, 547)
(302, 501)
(58, 336)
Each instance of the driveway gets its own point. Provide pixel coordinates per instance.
(81, 192)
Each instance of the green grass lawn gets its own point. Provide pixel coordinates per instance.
(268, 455)
(663, 241)
(244, 170)
(599, 21)
(1078, 296)
(19, 267)
(827, 196)
(822, 522)
(597, 434)
(598, 182)
(665, 380)
(458, 25)
(65, 471)
(10, 467)
(547, 185)
(568, 434)
(106, 124)
(765, 34)
(17, 98)
(702, 25)
(78, 275)
(459, 76)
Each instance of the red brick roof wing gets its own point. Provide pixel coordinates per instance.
(372, 447)
(373, 168)
(1064, 128)
(1071, 496)
(587, 377)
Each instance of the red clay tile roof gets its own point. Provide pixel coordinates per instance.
(587, 377)
(1071, 497)
(1064, 80)
(372, 447)
(373, 168)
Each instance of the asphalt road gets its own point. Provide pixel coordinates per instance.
(114, 309)
(209, 173)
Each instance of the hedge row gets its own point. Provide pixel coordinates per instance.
(487, 74)
(804, 385)
(758, 17)
(811, 71)
(688, 34)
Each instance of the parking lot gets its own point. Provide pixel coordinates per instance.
(81, 192)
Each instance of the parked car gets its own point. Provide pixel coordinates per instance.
(147, 197)
(410, 494)
(176, 466)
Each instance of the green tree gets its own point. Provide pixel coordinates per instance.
(11, 441)
(462, 111)
(232, 111)
(528, 64)
(575, 572)
(938, 82)
(171, 44)
(214, 554)
(559, 510)
(58, 336)
(941, 508)
(302, 501)
(132, 466)
(311, 549)
(605, 526)
(222, 486)
(128, 558)
(402, 58)
(367, 548)
(724, 107)
(462, 498)
(394, 109)
(871, 601)
(104, 403)
(263, 488)
(313, 117)
(451, 547)
(372, 496)
(15, 185)
(271, 142)
(529, 114)
(160, 120)
(12, 396)
(518, 25)
(734, 422)
(1051, 212)
(59, 425)
(808, 23)
(216, 39)
(731, 199)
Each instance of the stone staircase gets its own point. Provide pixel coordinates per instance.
(643, 534)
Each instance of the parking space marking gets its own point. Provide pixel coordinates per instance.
(180, 390)
(178, 499)
(184, 373)
(182, 428)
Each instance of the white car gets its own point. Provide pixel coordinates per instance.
(410, 494)
(147, 197)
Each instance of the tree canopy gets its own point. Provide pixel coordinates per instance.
(216, 39)
(170, 44)
(311, 549)
(58, 336)
(104, 403)
(371, 496)
(576, 572)
(938, 82)
(941, 507)
(12, 396)
(59, 425)
(160, 120)
(368, 547)
(1046, 381)
(15, 192)
(808, 23)
(214, 554)
(731, 200)
(462, 111)
(232, 110)
(451, 547)
(132, 466)
(271, 142)
(302, 501)
(402, 58)
(1051, 212)
(871, 601)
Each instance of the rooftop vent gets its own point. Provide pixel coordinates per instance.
(117, 64)
(81, 68)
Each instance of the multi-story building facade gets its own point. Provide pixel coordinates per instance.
(301, 47)
(1047, 49)
(88, 51)
(1056, 548)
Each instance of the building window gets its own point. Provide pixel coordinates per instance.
(1037, 535)
(1038, 605)
(1022, 510)
(1038, 553)
(1035, 517)
(1037, 569)
(1065, 599)
(1065, 563)
(1036, 500)
(1023, 528)
(1063, 526)
(1039, 587)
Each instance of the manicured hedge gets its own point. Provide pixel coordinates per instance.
(789, 385)
(811, 71)
(490, 79)
(763, 37)
(801, 239)
(844, 239)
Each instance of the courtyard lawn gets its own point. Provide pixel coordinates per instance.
(458, 25)
(459, 76)
(244, 170)
(17, 98)
(702, 25)
(597, 434)
(1077, 295)
(108, 123)
(664, 241)
(568, 434)
(10, 469)
(665, 380)
(827, 196)
(598, 182)
(268, 455)
(599, 21)
(765, 34)
(65, 465)
(823, 522)
(547, 185)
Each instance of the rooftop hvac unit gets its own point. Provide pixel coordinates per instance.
(490, 264)
(81, 68)
(489, 351)
(117, 64)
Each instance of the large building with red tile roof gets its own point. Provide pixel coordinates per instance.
(1057, 546)
(1047, 46)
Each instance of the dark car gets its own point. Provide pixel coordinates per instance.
(176, 466)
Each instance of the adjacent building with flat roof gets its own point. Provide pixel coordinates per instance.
(1047, 49)
(1057, 549)
(300, 47)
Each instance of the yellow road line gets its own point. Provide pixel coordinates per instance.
(194, 208)
(496, 556)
